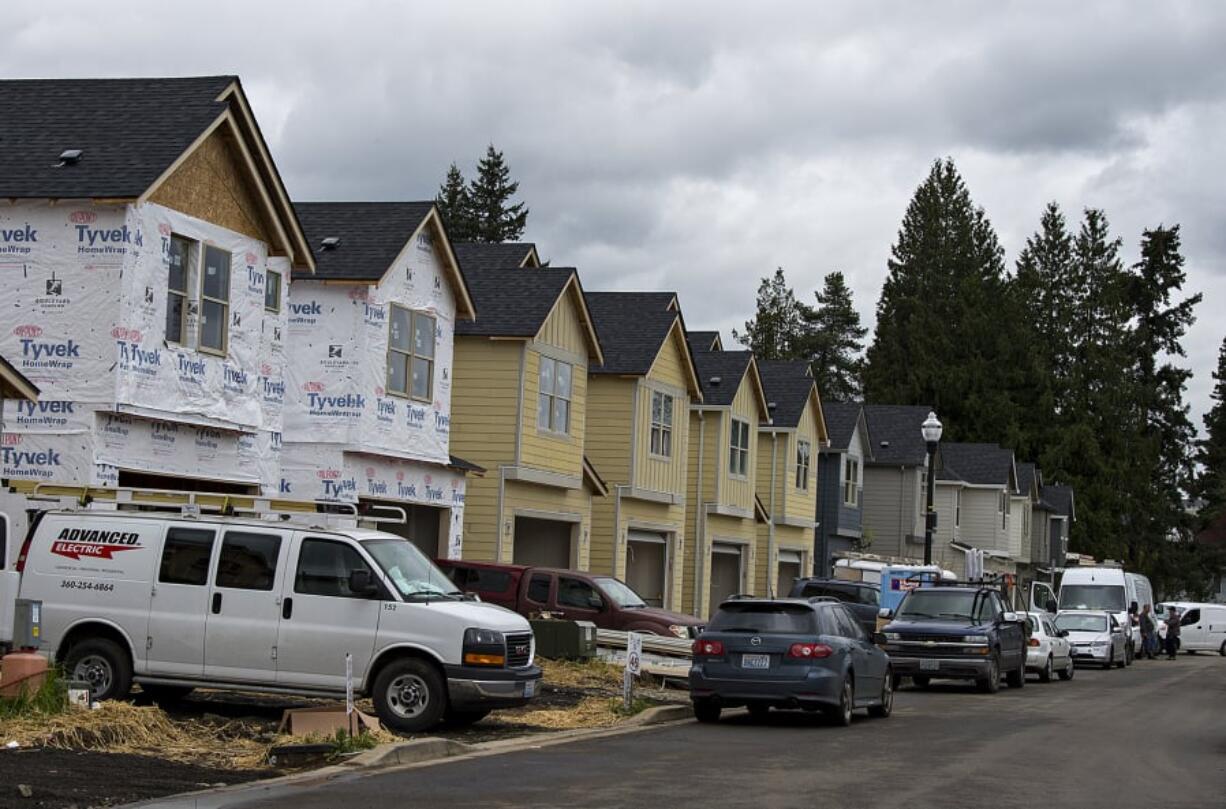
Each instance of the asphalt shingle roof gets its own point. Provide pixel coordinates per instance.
(372, 234)
(130, 132)
(702, 340)
(787, 385)
(729, 366)
(1060, 498)
(1027, 473)
(841, 420)
(895, 431)
(513, 303)
(632, 326)
(475, 256)
(978, 464)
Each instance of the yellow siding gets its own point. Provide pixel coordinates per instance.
(544, 450)
(737, 491)
(563, 328)
(705, 430)
(668, 375)
(609, 408)
(798, 502)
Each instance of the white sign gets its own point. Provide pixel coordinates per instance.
(634, 653)
(348, 684)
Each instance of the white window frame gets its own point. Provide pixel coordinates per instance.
(738, 455)
(411, 354)
(804, 461)
(851, 480)
(660, 439)
(203, 248)
(553, 397)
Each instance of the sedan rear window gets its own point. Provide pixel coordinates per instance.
(764, 619)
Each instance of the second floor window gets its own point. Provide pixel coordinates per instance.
(214, 301)
(553, 399)
(176, 290)
(410, 354)
(661, 424)
(803, 452)
(851, 480)
(272, 291)
(957, 508)
(738, 450)
(1004, 510)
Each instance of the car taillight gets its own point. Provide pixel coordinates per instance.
(810, 651)
(707, 648)
(25, 552)
(1033, 642)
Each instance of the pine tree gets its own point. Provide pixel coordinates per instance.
(832, 340)
(774, 333)
(455, 206)
(945, 326)
(1211, 450)
(495, 218)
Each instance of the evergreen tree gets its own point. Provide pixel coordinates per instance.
(1211, 450)
(774, 333)
(832, 340)
(945, 333)
(495, 218)
(455, 206)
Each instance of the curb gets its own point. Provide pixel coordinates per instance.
(411, 752)
(659, 715)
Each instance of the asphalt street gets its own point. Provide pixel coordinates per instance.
(1153, 736)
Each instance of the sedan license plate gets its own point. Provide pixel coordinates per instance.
(530, 688)
(930, 665)
(755, 661)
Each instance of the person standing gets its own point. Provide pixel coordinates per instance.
(1148, 627)
(1172, 633)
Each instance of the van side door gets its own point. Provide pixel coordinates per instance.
(245, 604)
(1192, 634)
(179, 608)
(323, 617)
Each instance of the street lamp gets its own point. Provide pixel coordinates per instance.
(931, 430)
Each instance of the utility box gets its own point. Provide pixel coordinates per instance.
(27, 624)
(565, 640)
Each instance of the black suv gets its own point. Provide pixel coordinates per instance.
(862, 598)
(957, 631)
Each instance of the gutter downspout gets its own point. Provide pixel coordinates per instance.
(770, 523)
(620, 549)
(700, 521)
(502, 487)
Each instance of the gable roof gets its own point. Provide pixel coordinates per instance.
(514, 303)
(633, 329)
(841, 421)
(980, 464)
(14, 385)
(789, 387)
(705, 340)
(896, 433)
(132, 133)
(475, 256)
(729, 368)
(372, 235)
(1029, 479)
(1060, 498)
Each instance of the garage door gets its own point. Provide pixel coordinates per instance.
(646, 557)
(421, 526)
(542, 543)
(726, 572)
(790, 563)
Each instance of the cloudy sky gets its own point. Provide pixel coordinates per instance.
(697, 146)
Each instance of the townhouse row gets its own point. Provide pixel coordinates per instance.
(181, 324)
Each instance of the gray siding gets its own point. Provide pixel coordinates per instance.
(890, 509)
(981, 519)
(1040, 537)
(838, 524)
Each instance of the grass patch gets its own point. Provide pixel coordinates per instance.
(344, 742)
(50, 699)
(637, 705)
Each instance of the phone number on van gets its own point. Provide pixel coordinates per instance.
(73, 584)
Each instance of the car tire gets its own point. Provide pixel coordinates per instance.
(886, 707)
(921, 680)
(102, 663)
(991, 683)
(706, 710)
(410, 695)
(165, 694)
(1046, 672)
(463, 719)
(1110, 659)
(841, 713)
(1017, 677)
(1067, 673)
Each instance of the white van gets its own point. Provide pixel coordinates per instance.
(1104, 588)
(175, 601)
(1202, 627)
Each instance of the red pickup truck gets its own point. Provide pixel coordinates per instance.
(573, 594)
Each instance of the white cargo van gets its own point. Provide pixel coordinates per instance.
(1202, 627)
(274, 603)
(1105, 588)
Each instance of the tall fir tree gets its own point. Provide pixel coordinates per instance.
(495, 217)
(832, 340)
(1211, 450)
(945, 326)
(774, 332)
(455, 206)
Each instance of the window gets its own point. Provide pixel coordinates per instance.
(538, 589)
(1190, 617)
(324, 566)
(185, 556)
(661, 424)
(272, 291)
(1004, 510)
(764, 618)
(176, 290)
(553, 403)
(804, 452)
(481, 579)
(578, 593)
(214, 301)
(738, 455)
(410, 354)
(851, 480)
(957, 507)
(848, 627)
(248, 561)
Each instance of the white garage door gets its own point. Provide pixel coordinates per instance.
(646, 559)
(727, 572)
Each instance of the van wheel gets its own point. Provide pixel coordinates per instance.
(102, 663)
(165, 694)
(409, 695)
(706, 710)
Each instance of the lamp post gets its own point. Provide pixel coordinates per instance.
(931, 430)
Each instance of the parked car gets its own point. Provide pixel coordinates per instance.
(1095, 635)
(176, 601)
(1048, 650)
(1106, 587)
(607, 602)
(862, 598)
(958, 631)
(1202, 627)
(788, 653)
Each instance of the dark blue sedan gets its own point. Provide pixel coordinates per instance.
(788, 653)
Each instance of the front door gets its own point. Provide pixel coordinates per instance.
(646, 558)
(179, 609)
(245, 606)
(322, 618)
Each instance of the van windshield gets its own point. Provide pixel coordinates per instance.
(413, 575)
(1109, 597)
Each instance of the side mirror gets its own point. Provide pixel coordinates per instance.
(361, 583)
(1063, 633)
(595, 602)
(885, 612)
(1010, 617)
(879, 638)
(1051, 605)
(1133, 608)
